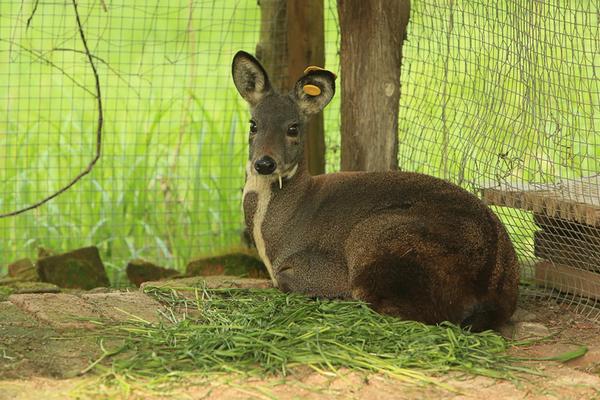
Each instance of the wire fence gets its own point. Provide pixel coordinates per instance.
(502, 98)
(168, 184)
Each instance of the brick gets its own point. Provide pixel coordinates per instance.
(139, 271)
(78, 269)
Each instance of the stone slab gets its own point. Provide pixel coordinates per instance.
(18, 287)
(524, 330)
(41, 351)
(210, 282)
(11, 315)
(124, 306)
(60, 311)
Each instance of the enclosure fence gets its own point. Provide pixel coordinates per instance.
(502, 98)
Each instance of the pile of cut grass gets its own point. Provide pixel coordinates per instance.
(267, 333)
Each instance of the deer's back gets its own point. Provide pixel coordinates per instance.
(426, 199)
(324, 214)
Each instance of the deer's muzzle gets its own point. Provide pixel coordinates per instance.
(265, 165)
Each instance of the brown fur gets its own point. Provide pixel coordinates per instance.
(410, 245)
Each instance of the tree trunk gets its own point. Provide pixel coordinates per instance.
(372, 33)
(271, 49)
(292, 38)
(306, 46)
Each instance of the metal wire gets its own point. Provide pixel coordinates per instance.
(502, 98)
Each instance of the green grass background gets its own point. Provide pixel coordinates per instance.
(491, 91)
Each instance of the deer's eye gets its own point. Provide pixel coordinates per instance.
(292, 131)
(253, 128)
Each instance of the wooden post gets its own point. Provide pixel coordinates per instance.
(271, 48)
(372, 33)
(292, 38)
(306, 46)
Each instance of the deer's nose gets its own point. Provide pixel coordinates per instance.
(265, 165)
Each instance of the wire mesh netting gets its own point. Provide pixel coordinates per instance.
(502, 98)
(168, 184)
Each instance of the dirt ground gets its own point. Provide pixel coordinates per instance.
(577, 379)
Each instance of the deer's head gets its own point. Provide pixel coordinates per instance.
(278, 121)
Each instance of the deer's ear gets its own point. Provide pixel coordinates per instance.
(250, 78)
(314, 90)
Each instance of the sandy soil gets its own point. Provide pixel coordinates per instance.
(577, 379)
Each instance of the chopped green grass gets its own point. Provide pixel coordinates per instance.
(269, 333)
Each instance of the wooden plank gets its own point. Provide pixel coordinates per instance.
(575, 199)
(570, 230)
(566, 227)
(567, 279)
(568, 250)
(306, 46)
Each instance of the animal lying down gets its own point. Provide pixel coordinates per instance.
(410, 245)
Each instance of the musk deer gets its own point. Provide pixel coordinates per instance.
(410, 245)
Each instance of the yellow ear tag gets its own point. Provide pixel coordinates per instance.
(315, 68)
(311, 90)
